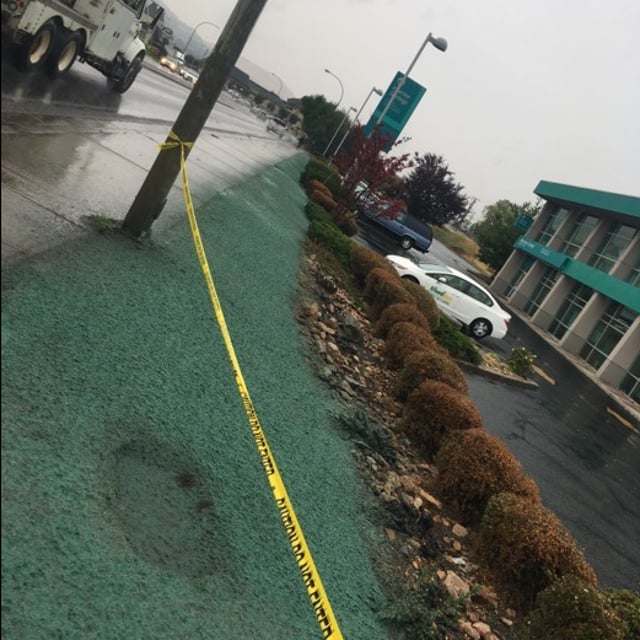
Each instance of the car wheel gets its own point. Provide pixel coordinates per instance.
(406, 243)
(480, 328)
(410, 279)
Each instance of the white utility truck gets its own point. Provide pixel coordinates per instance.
(53, 34)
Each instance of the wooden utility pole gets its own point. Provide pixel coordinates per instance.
(152, 197)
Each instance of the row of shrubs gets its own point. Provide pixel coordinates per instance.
(527, 553)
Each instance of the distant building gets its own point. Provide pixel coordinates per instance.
(576, 274)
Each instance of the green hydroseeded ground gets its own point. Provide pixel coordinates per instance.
(134, 502)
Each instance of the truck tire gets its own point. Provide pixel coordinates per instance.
(67, 48)
(122, 83)
(36, 50)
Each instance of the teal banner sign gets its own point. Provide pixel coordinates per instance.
(399, 112)
(542, 252)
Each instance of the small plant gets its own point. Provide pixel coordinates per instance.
(455, 342)
(104, 223)
(425, 610)
(521, 361)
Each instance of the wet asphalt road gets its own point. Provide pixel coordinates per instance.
(586, 463)
(584, 460)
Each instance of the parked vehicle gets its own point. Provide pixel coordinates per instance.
(402, 227)
(188, 74)
(276, 125)
(53, 34)
(457, 295)
(169, 63)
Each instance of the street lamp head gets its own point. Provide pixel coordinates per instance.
(438, 43)
(377, 91)
(352, 109)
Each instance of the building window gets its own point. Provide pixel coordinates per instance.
(612, 326)
(631, 383)
(634, 275)
(583, 227)
(613, 245)
(570, 309)
(517, 278)
(541, 290)
(551, 225)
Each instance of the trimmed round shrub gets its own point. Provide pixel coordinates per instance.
(626, 605)
(314, 211)
(434, 410)
(456, 343)
(400, 312)
(323, 199)
(570, 609)
(364, 260)
(316, 185)
(474, 466)
(526, 549)
(424, 301)
(403, 339)
(430, 364)
(330, 236)
(383, 289)
(318, 169)
(345, 220)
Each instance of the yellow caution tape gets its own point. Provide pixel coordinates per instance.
(315, 590)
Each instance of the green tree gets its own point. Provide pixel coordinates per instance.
(496, 232)
(320, 121)
(432, 194)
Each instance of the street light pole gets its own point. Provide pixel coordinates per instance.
(193, 33)
(337, 131)
(341, 87)
(153, 193)
(355, 120)
(438, 43)
(280, 79)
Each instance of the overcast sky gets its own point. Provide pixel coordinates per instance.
(527, 90)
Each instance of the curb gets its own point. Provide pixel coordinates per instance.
(494, 375)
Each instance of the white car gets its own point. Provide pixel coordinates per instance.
(457, 296)
(188, 74)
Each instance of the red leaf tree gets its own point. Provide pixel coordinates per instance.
(362, 160)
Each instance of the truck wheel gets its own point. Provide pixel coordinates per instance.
(36, 50)
(64, 54)
(122, 83)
